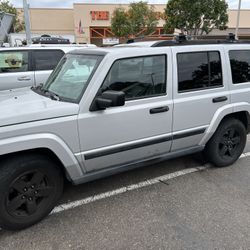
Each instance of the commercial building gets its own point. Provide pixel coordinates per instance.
(90, 23)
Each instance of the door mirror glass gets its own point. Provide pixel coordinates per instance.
(108, 99)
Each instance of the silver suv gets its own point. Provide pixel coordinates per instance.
(103, 111)
(31, 65)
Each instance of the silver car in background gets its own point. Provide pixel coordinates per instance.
(31, 65)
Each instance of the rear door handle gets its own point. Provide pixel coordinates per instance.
(159, 110)
(220, 99)
(24, 78)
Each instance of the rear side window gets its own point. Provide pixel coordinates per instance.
(47, 59)
(138, 77)
(199, 70)
(240, 65)
(14, 61)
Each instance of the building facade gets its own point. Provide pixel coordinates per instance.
(90, 23)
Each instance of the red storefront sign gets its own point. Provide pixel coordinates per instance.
(99, 15)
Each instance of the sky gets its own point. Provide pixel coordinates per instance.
(233, 4)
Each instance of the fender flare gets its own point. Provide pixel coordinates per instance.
(219, 116)
(47, 141)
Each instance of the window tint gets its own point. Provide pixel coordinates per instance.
(138, 77)
(199, 70)
(240, 65)
(13, 61)
(47, 59)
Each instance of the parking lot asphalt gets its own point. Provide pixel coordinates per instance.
(207, 209)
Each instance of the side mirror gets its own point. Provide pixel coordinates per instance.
(108, 99)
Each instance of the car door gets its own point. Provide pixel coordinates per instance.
(200, 89)
(44, 62)
(139, 130)
(15, 69)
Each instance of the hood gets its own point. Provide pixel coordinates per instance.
(24, 105)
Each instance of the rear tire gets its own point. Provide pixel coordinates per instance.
(30, 188)
(227, 143)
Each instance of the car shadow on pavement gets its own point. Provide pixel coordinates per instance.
(150, 171)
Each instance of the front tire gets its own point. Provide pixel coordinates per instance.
(227, 144)
(30, 186)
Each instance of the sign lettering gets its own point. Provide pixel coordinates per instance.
(99, 15)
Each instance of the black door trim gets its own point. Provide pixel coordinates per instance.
(119, 149)
(187, 134)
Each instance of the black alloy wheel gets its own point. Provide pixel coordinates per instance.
(30, 185)
(227, 144)
(28, 193)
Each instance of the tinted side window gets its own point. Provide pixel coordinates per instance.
(199, 70)
(47, 59)
(138, 77)
(14, 61)
(215, 69)
(240, 65)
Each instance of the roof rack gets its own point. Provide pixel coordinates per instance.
(143, 38)
(186, 40)
(47, 39)
(62, 45)
(181, 38)
(231, 37)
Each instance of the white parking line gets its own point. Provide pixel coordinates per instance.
(247, 154)
(125, 189)
(78, 203)
(150, 182)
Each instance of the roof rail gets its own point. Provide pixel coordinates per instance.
(185, 40)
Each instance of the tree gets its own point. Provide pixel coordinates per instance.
(196, 17)
(139, 19)
(142, 18)
(120, 24)
(6, 6)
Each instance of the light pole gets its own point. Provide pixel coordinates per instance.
(238, 21)
(27, 21)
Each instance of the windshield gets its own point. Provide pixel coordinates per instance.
(70, 78)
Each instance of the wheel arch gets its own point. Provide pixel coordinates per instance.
(240, 111)
(44, 144)
(242, 116)
(46, 152)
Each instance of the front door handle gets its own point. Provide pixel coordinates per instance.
(220, 99)
(24, 78)
(159, 110)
